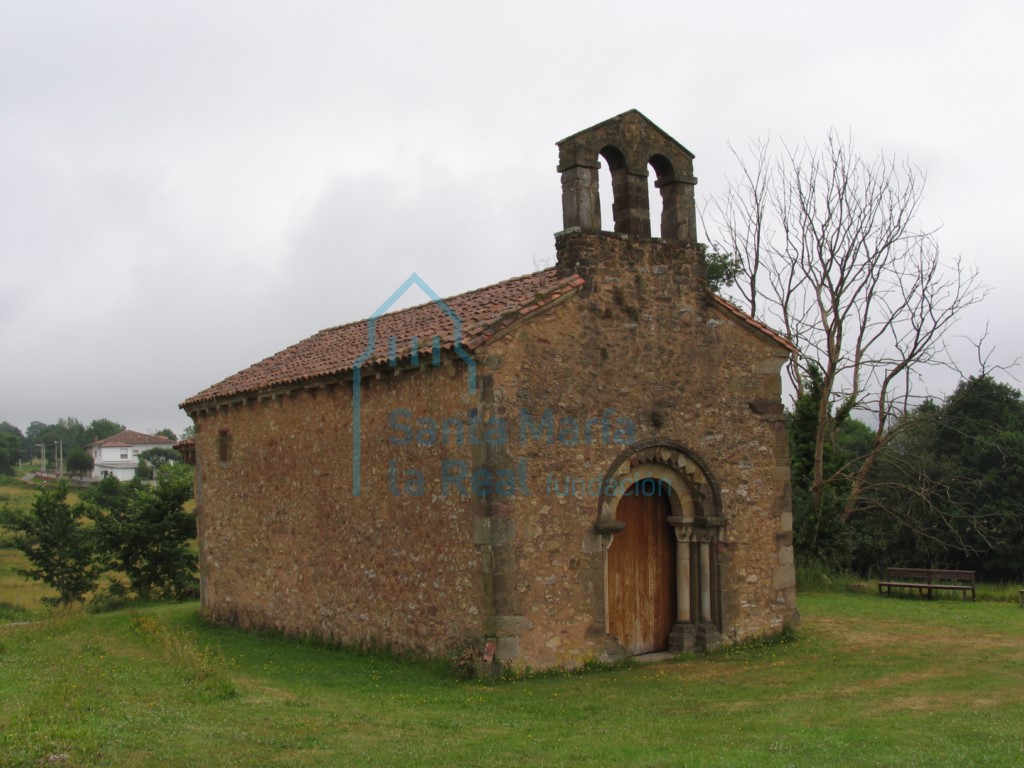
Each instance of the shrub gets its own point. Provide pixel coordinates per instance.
(61, 550)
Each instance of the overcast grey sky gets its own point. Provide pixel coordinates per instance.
(187, 187)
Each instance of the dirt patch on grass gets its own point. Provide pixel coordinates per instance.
(946, 702)
(254, 691)
(894, 681)
(857, 636)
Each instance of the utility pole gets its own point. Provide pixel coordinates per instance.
(42, 447)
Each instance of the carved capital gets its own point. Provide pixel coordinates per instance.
(706, 535)
(683, 527)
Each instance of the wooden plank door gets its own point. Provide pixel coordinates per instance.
(641, 596)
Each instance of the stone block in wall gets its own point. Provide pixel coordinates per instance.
(783, 576)
(482, 531)
(511, 625)
(592, 544)
(508, 649)
(786, 555)
(790, 596)
(493, 531)
(506, 597)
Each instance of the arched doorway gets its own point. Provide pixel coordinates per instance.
(642, 569)
(669, 499)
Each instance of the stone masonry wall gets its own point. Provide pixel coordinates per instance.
(285, 545)
(640, 345)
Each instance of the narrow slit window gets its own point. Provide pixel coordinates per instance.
(224, 445)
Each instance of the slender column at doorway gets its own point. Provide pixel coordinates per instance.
(695, 626)
(705, 581)
(683, 580)
(684, 544)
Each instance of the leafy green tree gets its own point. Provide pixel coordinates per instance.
(108, 494)
(724, 269)
(45, 435)
(900, 518)
(146, 533)
(10, 452)
(72, 433)
(60, 549)
(63, 437)
(948, 489)
(7, 428)
(819, 533)
(169, 434)
(108, 497)
(981, 433)
(101, 429)
(79, 462)
(34, 430)
(153, 459)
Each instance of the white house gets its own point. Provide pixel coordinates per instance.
(118, 456)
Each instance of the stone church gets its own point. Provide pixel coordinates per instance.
(586, 462)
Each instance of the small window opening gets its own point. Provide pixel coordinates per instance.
(224, 445)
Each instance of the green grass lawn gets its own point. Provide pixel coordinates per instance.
(870, 681)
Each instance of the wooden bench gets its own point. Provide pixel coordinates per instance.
(926, 580)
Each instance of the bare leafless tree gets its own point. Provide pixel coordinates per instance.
(835, 257)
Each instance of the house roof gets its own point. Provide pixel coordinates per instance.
(131, 437)
(334, 351)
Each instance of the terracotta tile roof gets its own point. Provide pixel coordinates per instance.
(731, 309)
(131, 437)
(483, 313)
